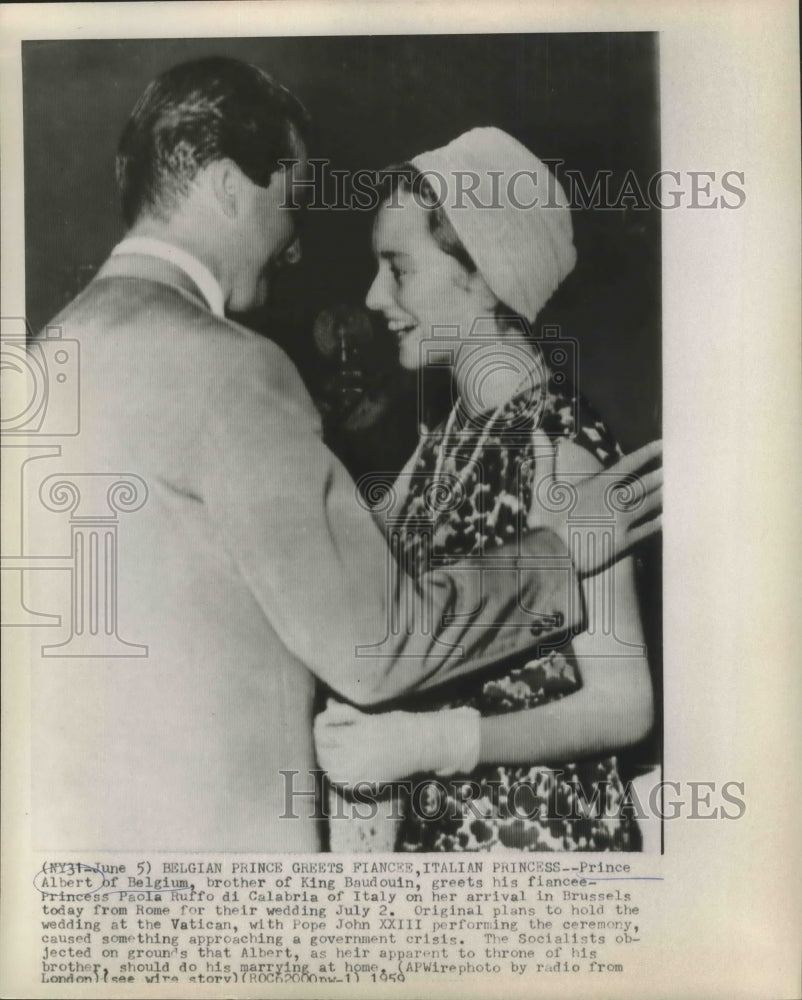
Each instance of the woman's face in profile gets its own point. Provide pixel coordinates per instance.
(420, 289)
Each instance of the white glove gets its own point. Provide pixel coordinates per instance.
(355, 747)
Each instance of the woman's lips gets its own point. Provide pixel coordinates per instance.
(400, 327)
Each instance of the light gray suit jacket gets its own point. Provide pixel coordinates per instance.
(250, 570)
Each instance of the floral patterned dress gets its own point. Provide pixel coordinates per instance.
(571, 807)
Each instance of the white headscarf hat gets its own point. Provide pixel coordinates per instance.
(509, 211)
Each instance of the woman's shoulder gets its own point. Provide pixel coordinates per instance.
(566, 413)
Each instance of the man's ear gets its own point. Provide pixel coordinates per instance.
(224, 178)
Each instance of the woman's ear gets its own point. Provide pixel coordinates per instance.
(475, 285)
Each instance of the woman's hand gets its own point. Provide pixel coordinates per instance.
(356, 747)
(618, 503)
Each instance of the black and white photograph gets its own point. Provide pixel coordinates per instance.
(410, 320)
(333, 428)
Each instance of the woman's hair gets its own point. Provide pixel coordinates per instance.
(406, 177)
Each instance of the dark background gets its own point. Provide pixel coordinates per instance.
(590, 100)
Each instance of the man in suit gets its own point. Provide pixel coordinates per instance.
(251, 570)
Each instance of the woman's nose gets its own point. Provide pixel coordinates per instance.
(376, 298)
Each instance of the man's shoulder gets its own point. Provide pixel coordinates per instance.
(136, 313)
(119, 304)
(122, 320)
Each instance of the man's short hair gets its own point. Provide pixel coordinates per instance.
(199, 112)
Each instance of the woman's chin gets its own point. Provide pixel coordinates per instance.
(409, 353)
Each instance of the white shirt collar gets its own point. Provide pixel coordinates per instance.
(206, 282)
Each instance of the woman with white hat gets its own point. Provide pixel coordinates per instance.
(471, 242)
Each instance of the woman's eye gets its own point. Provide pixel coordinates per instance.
(396, 272)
